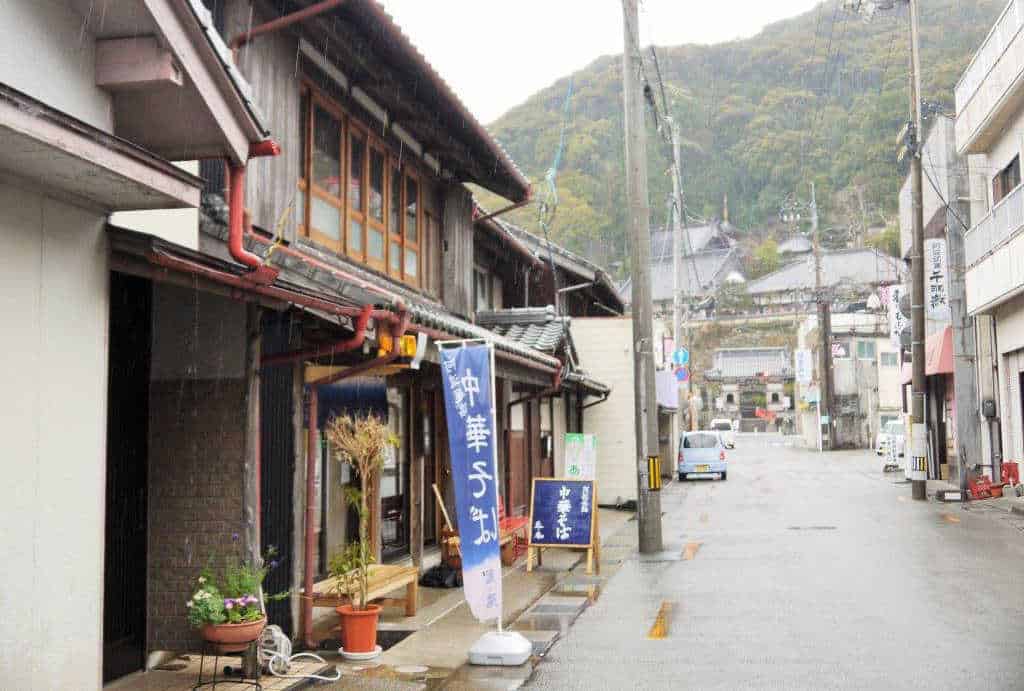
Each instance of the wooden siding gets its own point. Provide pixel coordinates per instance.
(457, 245)
(269, 64)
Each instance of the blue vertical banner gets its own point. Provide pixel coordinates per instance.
(468, 401)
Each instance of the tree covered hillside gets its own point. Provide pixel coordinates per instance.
(818, 97)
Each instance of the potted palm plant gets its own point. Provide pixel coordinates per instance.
(362, 442)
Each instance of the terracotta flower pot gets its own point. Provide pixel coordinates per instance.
(233, 638)
(358, 628)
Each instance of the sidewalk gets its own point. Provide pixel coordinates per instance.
(540, 604)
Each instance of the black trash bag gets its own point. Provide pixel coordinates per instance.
(441, 576)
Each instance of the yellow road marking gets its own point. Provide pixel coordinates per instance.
(690, 551)
(659, 629)
(950, 518)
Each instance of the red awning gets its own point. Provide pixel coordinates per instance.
(938, 355)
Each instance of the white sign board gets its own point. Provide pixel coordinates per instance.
(936, 274)
(803, 365)
(581, 456)
(897, 322)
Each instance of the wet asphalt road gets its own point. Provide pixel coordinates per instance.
(812, 572)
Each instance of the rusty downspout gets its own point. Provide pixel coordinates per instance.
(282, 22)
(260, 272)
(312, 457)
(356, 341)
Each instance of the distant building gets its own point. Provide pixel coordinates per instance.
(752, 381)
(853, 275)
(711, 260)
(794, 247)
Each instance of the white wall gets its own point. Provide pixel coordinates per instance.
(604, 345)
(54, 295)
(59, 69)
(180, 226)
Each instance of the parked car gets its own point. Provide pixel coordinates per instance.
(892, 433)
(702, 454)
(725, 429)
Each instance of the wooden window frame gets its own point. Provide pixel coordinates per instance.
(359, 215)
(310, 188)
(393, 165)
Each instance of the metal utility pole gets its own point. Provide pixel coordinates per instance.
(824, 331)
(918, 450)
(648, 503)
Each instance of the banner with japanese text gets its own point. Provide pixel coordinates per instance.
(468, 396)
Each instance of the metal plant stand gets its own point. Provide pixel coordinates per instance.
(214, 650)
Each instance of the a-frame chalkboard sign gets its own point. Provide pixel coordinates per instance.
(563, 514)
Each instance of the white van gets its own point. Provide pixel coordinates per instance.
(725, 430)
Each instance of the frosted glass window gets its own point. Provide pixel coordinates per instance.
(325, 218)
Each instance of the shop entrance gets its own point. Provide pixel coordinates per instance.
(124, 573)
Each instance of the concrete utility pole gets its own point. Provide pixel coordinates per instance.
(680, 244)
(918, 449)
(965, 359)
(917, 465)
(645, 416)
(824, 328)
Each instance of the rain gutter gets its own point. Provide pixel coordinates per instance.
(259, 271)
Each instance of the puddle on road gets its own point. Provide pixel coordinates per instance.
(432, 677)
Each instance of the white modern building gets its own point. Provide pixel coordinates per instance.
(989, 131)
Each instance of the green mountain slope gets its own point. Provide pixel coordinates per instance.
(818, 97)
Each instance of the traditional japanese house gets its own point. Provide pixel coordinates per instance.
(124, 415)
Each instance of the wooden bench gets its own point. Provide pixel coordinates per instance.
(383, 579)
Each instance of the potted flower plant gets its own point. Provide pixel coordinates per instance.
(361, 442)
(227, 605)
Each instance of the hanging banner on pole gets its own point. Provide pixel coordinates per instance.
(803, 366)
(897, 320)
(467, 378)
(580, 456)
(936, 271)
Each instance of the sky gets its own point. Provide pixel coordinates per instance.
(495, 54)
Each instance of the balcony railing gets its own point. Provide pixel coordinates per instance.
(998, 40)
(1002, 223)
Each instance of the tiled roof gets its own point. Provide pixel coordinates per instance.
(701, 273)
(533, 327)
(706, 237)
(244, 89)
(856, 266)
(422, 309)
(742, 363)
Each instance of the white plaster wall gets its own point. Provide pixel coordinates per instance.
(180, 226)
(45, 53)
(54, 295)
(1010, 325)
(605, 349)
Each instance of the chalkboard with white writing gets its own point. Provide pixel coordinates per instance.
(562, 513)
